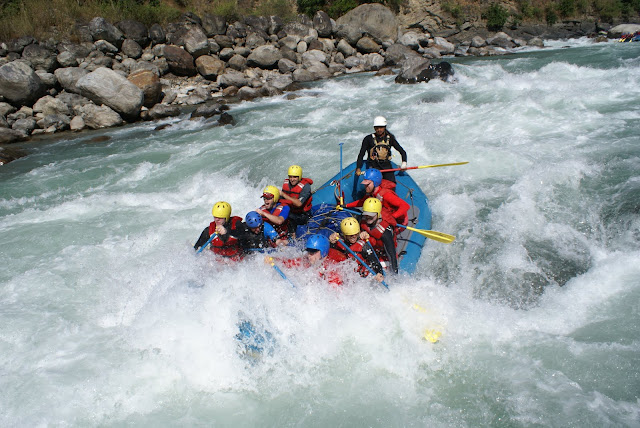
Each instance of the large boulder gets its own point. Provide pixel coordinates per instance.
(160, 111)
(180, 61)
(105, 86)
(96, 117)
(232, 78)
(149, 84)
(134, 30)
(214, 25)
(68, 77)
(40, 57)
(322, 24)
(209, 67)
(48, 105)
(102, 30)
(411, 68)
(8, 135)
(266, 56)
(19, 84)
(375, 19)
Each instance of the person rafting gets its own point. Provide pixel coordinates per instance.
(391, 203)
(257, 235)
(226, 229)
(273, 212)
(320, 255)
(357, 242)
(296, 193)
(380, 227)
(377, 147)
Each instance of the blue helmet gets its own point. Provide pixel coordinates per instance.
(253, 219)
(318, 242)
(374, 175)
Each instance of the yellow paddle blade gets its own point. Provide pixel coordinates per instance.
(442, 164)
(431, 335)
(432, 234)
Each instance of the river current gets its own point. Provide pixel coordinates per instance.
(108, 318)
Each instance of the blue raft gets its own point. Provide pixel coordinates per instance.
(326, 220)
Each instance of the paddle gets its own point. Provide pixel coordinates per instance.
(207, 243)
(423, 166)
(340, 182)
(344, 244)
(431, 234)
(277, 269)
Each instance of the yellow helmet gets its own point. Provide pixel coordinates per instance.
(271, 191)
(222, 210)
(295, 170)
(372, 205)
(349, 226)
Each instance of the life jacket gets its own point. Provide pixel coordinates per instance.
(294, 192)
(357, 248)
(380, 192)
(231, 246)
(283, 228)
(387, 222)
(326, 270)
(381, 149)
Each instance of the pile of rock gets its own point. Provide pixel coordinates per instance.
(127, 72)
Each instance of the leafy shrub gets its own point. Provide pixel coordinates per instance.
(340, 7)
(550, 15)
(566, 8)
(310, 7)
(496, 17)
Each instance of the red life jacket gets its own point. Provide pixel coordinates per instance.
(231, 247)
(392, 204)
(282, 229)
(294, 192)
(376, 232)
(356, 248)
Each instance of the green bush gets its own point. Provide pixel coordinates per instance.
(310, 7)
(496, 17)
(550, 15)
(566, 8)
(340, 7)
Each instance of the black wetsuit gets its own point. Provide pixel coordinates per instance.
(368, 143)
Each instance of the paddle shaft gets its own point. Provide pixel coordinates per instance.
(277, 269)
(423, 166)
(431, 234)
(206, 244)
(344, 244)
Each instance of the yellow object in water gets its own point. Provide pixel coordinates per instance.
(431, 335)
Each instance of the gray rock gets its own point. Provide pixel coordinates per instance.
(373, 61)
(478, 42)
(48, 105)
(226, 54)
(149, 83)
(248, 93)
(55, 122)
(280, 81)
(301, 47)
(232, 78)
(254, 40)
(349, 32)
(237, 62)
(322, 24)
(68, 77)
(19, 84)
(131, 48)
(40, 57)
(207, 110)
(345, 48)
(180, 61)
(160, 111)
(266, 57)
(275, 24)
(157, 34)
(617, 31)
(134, 30)
(48, 79)
(315, 56)
(105, 47)
(443, 46)
(77, 123)
(25, 126)
(286, 65)
(290, 41)
(224, 41)
(397, 53)
(410, 39)
(502, 40)
(303, 75)
(210, 67)
(536, 42)
(105, 86)
(6, 108)
(367, 45)
(8, 136)
(195, 42)
(102, 30)
(96, 117)
(411, 68)
(296, 28)
(214, 25)
(374, 19)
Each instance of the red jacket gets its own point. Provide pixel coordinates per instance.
(327, 266)
(227, 245)
(375, 232)
(294, 192)
(391, 203)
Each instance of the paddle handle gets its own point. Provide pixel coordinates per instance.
(423, 166)
(361, 261)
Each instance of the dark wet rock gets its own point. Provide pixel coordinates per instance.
(157, 34)
(134, 30)
(226, 119)
(322, 24)
(214, 25)
(101, 29)
(411, 68)
(9, 154)
(98, 139)
(160, 111)
(8, 136)
(180, 61)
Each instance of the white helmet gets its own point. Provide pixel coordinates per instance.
(379, 121)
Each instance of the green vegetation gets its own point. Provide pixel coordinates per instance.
(496, 17)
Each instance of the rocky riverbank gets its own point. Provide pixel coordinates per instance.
(126, 72)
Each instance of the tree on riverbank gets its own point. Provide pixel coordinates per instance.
(58, 18)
